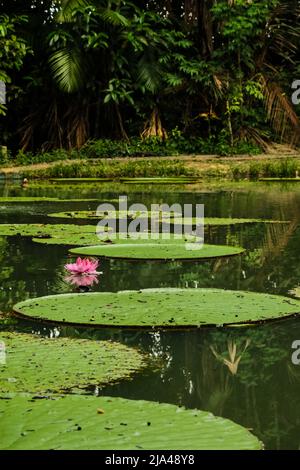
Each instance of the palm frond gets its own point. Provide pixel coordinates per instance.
(255, 136)
(149, 75)
(67, 8)
(66, 66)
(114, 18)
(283, 31)
(280, 112)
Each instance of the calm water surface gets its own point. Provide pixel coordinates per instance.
(264, 394)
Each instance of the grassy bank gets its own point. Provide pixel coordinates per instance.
(234, 168)
(113, 169)
(284, 168)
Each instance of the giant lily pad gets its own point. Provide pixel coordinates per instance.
(108, 423)
(166, 308)
(159, 251)
(284, 180)
(46, 230)
(69, 239)
(91, 239)
(26, 199)
(163, 216)
(80, 180)
(98, 215)
(150, 180)
(38, 365)
(161, 180)
(217, 221)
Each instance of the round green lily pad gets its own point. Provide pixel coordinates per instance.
(173, 218)
(217, 221)
(165, 308)
(39, 365)
(109, 423)
(289, 180)
(79, 180)
(86, 238)
(161, 180)
(94, 215)
(26, 199)
(69, 239)
(158, 251)
(45, 231)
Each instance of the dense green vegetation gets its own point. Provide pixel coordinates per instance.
(176, 144)
(85, 169)
(197, 76)
(286, 168)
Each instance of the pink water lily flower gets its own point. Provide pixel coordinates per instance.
(83, 266)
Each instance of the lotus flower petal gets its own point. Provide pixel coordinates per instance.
(83, 266)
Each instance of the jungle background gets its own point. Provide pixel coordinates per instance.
(202, 75)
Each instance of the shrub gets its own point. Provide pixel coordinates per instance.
(176, 144)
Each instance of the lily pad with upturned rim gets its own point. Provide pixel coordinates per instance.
(159, 251)
(46, 230)
(92, 239)
(218, 221)
(26, 199)
(161, 180)
(163, 217)
(39, 365)
(98, 215)
(278, 180)
(109, 423)
(160, 308)
(80, 180)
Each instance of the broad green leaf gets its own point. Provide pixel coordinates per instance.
(41, 199)
(97, 215)
(47, 230)
(149, 180)
(79, 180)
(216, 221)
(166, 308)
(174, 218)
(161, 180)
(89, 237)
(109, 423)
(159, 251)
(67, 69)
(39, 365)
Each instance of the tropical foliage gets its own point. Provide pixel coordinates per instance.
(217, 70)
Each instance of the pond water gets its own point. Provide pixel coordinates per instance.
(264, 393)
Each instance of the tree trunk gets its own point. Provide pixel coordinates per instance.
(120, 121)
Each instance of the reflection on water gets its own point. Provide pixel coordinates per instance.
(246, 373)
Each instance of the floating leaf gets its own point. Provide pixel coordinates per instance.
(26, 199)
(47, 230)
(216, 221)
(38, 365)
(159, 251)
(98, 215)
(73, 422)
(151, 180)
(165, 308)
(161, 180)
